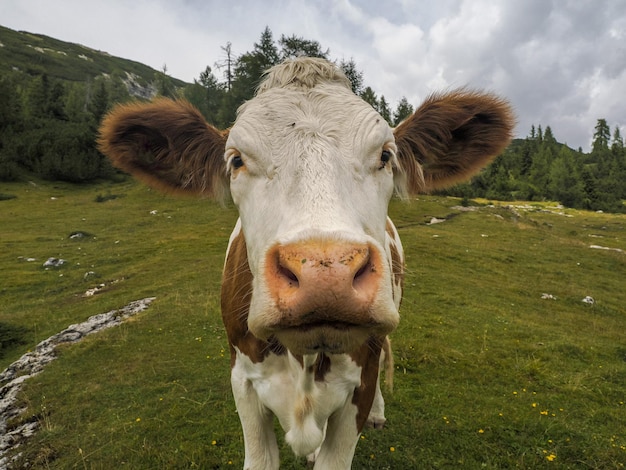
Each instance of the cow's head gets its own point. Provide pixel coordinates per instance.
(311, 168)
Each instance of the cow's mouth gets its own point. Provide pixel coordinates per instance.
(334, 337)
(335, 325)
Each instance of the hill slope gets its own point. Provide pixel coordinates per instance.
(36, 54)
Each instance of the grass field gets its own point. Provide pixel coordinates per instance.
(488, 373)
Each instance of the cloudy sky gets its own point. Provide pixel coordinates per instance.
(562, 63)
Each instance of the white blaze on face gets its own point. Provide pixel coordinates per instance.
(309, 164)
(312, 161)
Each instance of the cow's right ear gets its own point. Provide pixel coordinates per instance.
(168, 145)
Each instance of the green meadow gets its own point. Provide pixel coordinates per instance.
(488, 373)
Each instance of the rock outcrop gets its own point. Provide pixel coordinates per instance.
(32, 363)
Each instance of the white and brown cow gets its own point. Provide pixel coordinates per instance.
(313, 274)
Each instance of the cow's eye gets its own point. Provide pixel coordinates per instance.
(236, 161)
(385, 157)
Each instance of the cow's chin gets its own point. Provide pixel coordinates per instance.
(335, 332)
(331, 338)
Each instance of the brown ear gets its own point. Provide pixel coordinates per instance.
(167, 144)
(451, 137)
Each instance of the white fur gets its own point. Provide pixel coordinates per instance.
(279, 386)
(312, 168)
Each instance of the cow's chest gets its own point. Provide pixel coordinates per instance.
(302, 392)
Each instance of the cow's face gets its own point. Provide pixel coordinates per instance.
(311, 172)
(311, 168)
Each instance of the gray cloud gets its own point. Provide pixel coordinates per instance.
(561, 63)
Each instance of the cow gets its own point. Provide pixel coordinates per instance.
(313, 275)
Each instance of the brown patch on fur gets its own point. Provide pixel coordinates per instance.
(303, 409)
(322, 367)
(236, 295)
(367, 357)
(451, 137)
(168, 145)
(319, 369)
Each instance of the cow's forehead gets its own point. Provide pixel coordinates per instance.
(328, 112)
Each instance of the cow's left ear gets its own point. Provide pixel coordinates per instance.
(451, 137)
(168, 145)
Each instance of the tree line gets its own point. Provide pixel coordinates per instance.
(540, 168)
(218, 100)
(48, 127)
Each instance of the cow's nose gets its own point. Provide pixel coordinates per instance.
(315, 283)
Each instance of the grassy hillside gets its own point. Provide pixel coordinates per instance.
(488, 374)
(36, 54)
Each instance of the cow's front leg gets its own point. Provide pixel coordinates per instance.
(261, 449)
(337, 450)
(376, 418)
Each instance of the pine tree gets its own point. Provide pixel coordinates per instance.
(99, 102)
(383, 110)
(601, 136)
(55, 106)
(617, 144)
(10, 107)
(565, 184)
(250, 68)
(76, 102)
(548, 137)
(354, 75)
(207, 94)
(619, 156)
(590, 192)
(294, 46)
(266, 50)
(37, 97)
(11, 125)
(403, 111)
(369, 96)
(526, 157)
(539, 176)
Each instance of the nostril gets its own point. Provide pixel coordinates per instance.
(363, 273)
(288, 275)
